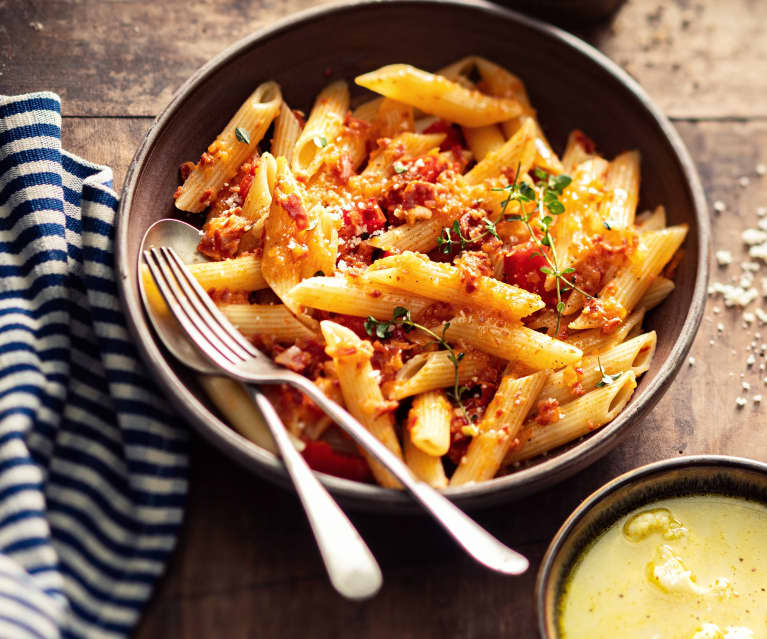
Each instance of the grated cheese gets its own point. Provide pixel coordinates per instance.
(753, 236)
(723, 258)
(734, 295)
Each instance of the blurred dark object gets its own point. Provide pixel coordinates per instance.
(566, 13)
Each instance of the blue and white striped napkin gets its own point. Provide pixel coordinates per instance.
(92, 467)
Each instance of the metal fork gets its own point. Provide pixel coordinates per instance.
(225, 347)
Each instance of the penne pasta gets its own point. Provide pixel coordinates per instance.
(622, 184)
(568, 384)
(273, 320)
(510, 342)
(429, 423)
(420, 237)
(619, 297)
(431, 371)
(418, 275)
(579, 149)
(576, 419)
(322, 127)
(483, 140)
(426, 467)
(595, 340)
(498, 428)
(438, 96)
(427, 438)
(393, 118)
(515, 154)
(259, 197)
(659, 290)
(235, 144)
(354, 296)
(285, 235)
(287, 129)
(652, 220)
(361, 392)
(367, 111)
(321, 243)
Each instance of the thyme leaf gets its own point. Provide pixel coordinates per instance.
(606, 379)
(384, 329)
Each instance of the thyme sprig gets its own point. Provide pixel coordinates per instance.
(545, 195)
(383, 329)
(606, 379)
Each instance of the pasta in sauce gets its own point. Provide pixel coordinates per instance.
(430, 262)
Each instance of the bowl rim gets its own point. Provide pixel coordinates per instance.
(543, 580)
(525, 481)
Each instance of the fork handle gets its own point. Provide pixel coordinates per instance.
(474, 539)
(352, 569)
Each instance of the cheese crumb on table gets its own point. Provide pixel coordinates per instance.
(723, 258)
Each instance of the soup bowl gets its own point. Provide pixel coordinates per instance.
(679, 477)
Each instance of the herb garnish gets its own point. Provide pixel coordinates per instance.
(243, 135)
(383, 329)
(320, 140)
(606, 379)
(545, 198)
(399, 167)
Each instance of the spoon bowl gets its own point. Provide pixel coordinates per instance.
(182, 238)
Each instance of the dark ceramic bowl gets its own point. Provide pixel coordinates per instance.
(695, 475)
(571, 85)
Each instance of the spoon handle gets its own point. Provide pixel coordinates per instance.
(474, 539)
(352, 569)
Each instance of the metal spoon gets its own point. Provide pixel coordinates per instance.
(351, 567)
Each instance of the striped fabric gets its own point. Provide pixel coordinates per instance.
(92, 468)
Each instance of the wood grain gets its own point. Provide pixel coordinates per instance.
(127, 57)
(697, 59)
(246, 565)
(108, 141)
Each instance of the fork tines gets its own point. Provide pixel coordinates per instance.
(210, 330)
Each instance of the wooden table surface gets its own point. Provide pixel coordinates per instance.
(246, 565)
